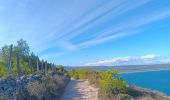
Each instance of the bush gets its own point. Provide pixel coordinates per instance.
(111, 86)
(2, 71)
(94, 78)
(47, 88)
(84, 73)
(60, 70)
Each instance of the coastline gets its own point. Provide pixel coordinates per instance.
(141, 81)
(144, 71)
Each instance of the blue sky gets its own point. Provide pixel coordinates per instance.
(90, 32)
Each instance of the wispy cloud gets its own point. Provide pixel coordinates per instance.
(87, 23)
(131, 60)
(111, 32)
(106, 38)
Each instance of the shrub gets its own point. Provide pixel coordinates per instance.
(84, 73)
(60, 69)
(72, 72)
(47, 88)
(2, 71)
(76, 76)
(111, 86)
(94, 78)
(36, 90)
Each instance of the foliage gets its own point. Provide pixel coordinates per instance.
(27, 59)
(60, 69)
(47, 88)
(111, 85)
(73, 73)
(94, 78)
(84, 73)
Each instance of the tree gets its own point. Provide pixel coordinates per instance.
(27, 62)
(60, 69)
(23, 50)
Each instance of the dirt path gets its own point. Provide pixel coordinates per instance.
(80, 90)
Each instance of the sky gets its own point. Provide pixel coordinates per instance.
(90, 32)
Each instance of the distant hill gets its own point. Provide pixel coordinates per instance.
(126, 68)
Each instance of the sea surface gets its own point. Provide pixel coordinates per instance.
(154, 80)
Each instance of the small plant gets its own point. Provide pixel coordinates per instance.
(111, 86)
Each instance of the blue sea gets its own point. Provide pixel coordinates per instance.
(154, 80)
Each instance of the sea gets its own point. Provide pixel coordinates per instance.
(154, 80)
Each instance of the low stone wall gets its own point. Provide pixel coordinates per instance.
(15, 89)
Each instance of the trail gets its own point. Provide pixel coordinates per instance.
(80, 90)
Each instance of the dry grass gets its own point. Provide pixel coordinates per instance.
(48, 88)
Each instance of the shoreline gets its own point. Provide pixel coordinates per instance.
(144, 71)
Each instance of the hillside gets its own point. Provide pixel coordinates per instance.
(126, 68)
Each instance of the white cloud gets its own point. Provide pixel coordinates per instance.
(149, 56)
(129, 60)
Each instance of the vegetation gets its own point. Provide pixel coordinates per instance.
(27, 61)
(73, 73)
(111, 85)
(48, 88)
(60, 70)
(18, 60)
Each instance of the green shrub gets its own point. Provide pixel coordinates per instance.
(111, 85)
(60, 69)
(72, 72)
(84, 73)
(2, 71)
(76, 77)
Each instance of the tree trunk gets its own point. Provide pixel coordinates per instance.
(9, 61)
(42, 67)
(53, 69)
(18, 65)
(46, 68)
(37, 64)
(30, 64)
